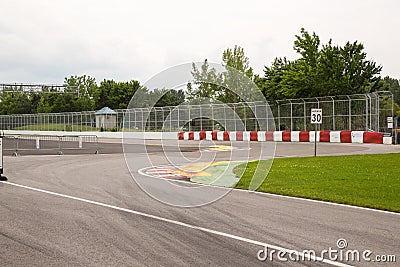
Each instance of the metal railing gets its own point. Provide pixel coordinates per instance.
(350, 112)
(50, 143)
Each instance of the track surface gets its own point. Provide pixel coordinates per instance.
(40, 228)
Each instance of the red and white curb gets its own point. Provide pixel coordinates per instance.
(358, 137)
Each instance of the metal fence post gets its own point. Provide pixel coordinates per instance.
(396, 125)
(305, 115)
(366, 113)
(97, 145)
(333, 114)
(279, 117)
(15, 146)
(349, 113)
(37, 143)
(59, 146)
(291, 115)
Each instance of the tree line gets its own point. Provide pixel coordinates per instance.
(83, 95)
(319, 70)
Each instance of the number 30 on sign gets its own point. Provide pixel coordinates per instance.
(316, 116)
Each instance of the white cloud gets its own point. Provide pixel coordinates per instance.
(46, 40)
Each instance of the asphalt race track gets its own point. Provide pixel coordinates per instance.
(84, 209)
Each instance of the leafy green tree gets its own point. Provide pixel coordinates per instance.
(235, 58)
(392, 85)
(86, 89)
(205, 83)
(237, 79)
(17, 102)
(169, 97)
(54, 103)
(332, 70)
(115, 95)
(34, 99)
(232, 85)
(271, 83)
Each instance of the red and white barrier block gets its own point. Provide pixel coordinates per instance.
(358, 137)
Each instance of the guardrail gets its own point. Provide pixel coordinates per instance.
(60, 143)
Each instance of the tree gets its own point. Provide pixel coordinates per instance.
(232, 85)
(54, 103)
(359, 74)
(87, 89)
(332, 70)
(271, 83)
(17, 102)
(237, 79)
(300, 79)
(205, 85)
(169, 97)
(392, 85)
(115, 95)
(235, 58)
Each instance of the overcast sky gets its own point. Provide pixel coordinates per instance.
(43, 41)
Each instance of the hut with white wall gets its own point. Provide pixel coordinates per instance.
(106, 118)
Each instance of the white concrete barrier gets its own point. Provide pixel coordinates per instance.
(261, 135)
(312, 136)
(278, 136)
(196, 136)
(295, 136)
(334, 137)
(209, 135)
(387, 140)
(246, 136)
(357, 137)
(232, 136)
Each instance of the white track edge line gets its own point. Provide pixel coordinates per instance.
(203, 229)
(274, 195)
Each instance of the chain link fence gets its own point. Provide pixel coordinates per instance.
(365, 112)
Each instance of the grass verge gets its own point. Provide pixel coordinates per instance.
(363, 180)
(56, 127)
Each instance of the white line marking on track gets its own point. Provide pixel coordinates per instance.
(199, 228)
(142, 172)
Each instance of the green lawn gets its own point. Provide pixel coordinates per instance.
(363, 180)
(56, 127)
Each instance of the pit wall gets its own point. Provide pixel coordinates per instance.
(358, 137)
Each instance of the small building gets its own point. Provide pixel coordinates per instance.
(106, 118)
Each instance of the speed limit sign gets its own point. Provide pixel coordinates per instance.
(316, 116)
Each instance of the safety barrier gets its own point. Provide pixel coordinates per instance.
(18, 143)
(290, 136)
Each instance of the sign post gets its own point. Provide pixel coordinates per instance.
(316, 118)
(2, 178)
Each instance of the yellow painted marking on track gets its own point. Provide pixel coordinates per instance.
(197, 169)
(220, 148)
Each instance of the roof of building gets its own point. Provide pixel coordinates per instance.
(105, 111)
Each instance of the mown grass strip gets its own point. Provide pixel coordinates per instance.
(363, 180)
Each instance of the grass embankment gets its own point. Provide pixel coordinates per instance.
(363, 180)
